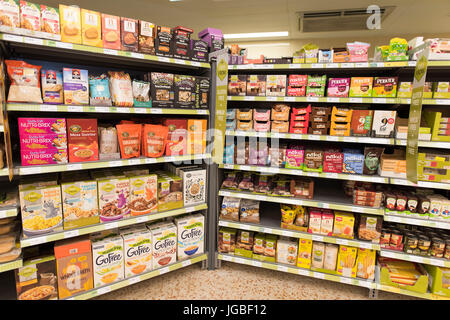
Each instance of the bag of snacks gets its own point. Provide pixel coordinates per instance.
(262, 183)
(230, 209)
(129, 136)
(121, 90)
(249, 211)
(155, 139)
(231, 181)
(109, 148)
(99, 88)
(247, 183)
(52, 87)
(24, 78)
(141, 94)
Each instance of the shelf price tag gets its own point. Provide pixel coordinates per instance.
(286, 233)
(30, 170)
(33, 41)
(48, 108)
(346, 280)
(239, 260)
(137, 55)
(379, 100)
(71, 233)
(318, 275)
(159, 111)
(267, 230)
(115, 163)
(73, 167)
(442, 101)
(257, 263)
(316, 238)
(186, 263)
(134, 280)
(265, 66)
(64, 45)
(312, 99)
(282, 268)
(36, 241)
(332, 65)
(123, 110)
(11, 37)
(103, 290)
(226, 258)
(412, 63)
(140, 110)
(111, 225)
(317, 65)
(271, 98)
(295, 66)
(141, 219)
(356, 100)
(289, 99)
(331, 99)
(362, 65)
(110, 51)
(102, 109)
(347, 65)
(133, 162)
(75, 108)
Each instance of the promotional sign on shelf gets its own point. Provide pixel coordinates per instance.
(415, 112)
(221, 107)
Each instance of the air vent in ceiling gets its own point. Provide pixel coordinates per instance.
(337, 20)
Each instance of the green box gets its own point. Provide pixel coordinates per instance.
(243, 253)
(170, 191)
(437, 275)
(433, 119)
(315, 92)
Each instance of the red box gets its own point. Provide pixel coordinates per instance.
(301, 111)
(295, 91)
(82, 138)
(111, 31)
(333, 160)
(177, 137)
(298, 80)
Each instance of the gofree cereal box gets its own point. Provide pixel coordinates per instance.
(191, 235)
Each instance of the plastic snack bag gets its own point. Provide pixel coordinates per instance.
(109, 147)
(99, 88)
(121, 90)
(129, 140)
(155, 139)
(25, 86)
(141, 94)
(230, 209)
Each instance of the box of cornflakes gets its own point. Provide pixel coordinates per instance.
(108, 260)
(137, 244)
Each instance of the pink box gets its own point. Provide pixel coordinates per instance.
(333, 161)
(43, 157)
(261, 126)
(315, 221)
(42, 126)
(294, 158)
(338, 87)
(358, 51)
(261, 114)
(326, 226)
(30, 142)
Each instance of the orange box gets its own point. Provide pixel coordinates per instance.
(70, 19)
(74, 266)
(111, 31)
(91, 27)
(196, 136)
(82, 139)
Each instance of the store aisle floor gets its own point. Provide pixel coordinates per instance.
(233, 281)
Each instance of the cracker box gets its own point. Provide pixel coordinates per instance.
(315, 221)
(137, 247)
(74, 266)
(164, 244)
(184, 88)
(346, 265)
(383, 123)
(177, 137)
(326, 226)
(80, 204)
(343, 224)
(113, 194)
(82, 136)
(304, 253)
(181, 40)
(30, 16)
(353, 161)
(76, 86)
(143, 197)
(111, 31)
(163, 44)
(9, 15)
(202, 92)
(162, 89)
(50, 21)
(385, 87)
(41, 209)
(32, 142)
(170, 191)
(237, 85)
(361, 122)
(287, 251)
(194, 186)
(275, 85)
(333, 160)
(338, 87)
(256, 85)
(361, 87)
(146, 37)
(91, 27)
(37, 280)
(70, 18)
(107, 260)
(41, 126)
(129, 34)
(43, 157)
(191, 236)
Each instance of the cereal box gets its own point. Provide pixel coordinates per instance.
(361, 87)
(9, 15)
(70, 17)
(50, 20)
(32, 142)
(170, 191)
(82, 136)
(43, 157)
(80, 204)
(91, 26)
(30, 16)
(304, 253)
(191, 235)
(343, 224)
(194, 186)
(129, 34)
(338, 87)
(108, 260)
(385, 87)
(164, 244)
(287, 251)
(42, 126)
(76, 86)
(41, 210)
(143, 194)
(137, 245)
(113, 194)
(162, 89)
(36, 280)
(74, 266)
(111, 31)
(346, 265)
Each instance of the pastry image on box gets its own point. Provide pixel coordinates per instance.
(184, 91)
(146, 37)
(162, 89)
(237, 85)
(70, 18)
(50, 20)
(91, 27)
(275, 85)
(256, 85)
(9, 15)
(30, 16)
(33, 142)
(76, 86)
(82, 136)
(163, 45)
(361, 87)
(111, 32)
(338, 87)
(385, 87)
(129, 34)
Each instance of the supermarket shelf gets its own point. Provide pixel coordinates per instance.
(300, 271)
(7, 266)
(93, 109)
(26, 170)
(417, 222)
(32, 241)
(272, 226)
(415, 258)
(339, 100)
(421, 184)
(427, 295)
(8, 212)
(64, 47)
(426, 144)
(297, 172)
(327, 200)
(127, 282)
(351, 65)
(4, 172)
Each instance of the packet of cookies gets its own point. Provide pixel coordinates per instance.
(9, 15)
(129, 136)
(111, 31)
(70, 17)
(91, 26)
(30, 16)
(50, 22)
(129, 34)
(146, 37)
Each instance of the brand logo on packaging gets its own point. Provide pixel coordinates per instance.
(72, 190)
(33, 196)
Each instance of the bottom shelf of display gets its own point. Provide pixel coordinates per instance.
(145, 276)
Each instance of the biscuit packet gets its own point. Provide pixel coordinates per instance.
(129, 136)
(129, 34)
(111, 31)
(50, 20)
(91, 26)
(141, 94)
(108, 144)
(24, 78)
(52, 86)
(99, 88)
(121, 90)
(249, 211)
(230, 209)
(70, 17)
(146, 37)
(30, 16)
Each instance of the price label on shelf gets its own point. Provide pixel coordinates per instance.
(33, 41)
(356, 100)
(286, 233)
(312, 99)
(412, 63)
(134, 280)
(282, 268)
(271, 98)
(110, 52)
(312, 174)
(159, 111)
(388, 254)
(196, 63)
(36, 241)
(362, 65)
(30, 170)
(331, 65)
(141, 219)
(441, 101)
(257, 263)
(380, 64)
(331, 99)
(295, 66)
(163, 59)
(265, 66)
(73, 167)
(115, 163)
(137, 55)
(48, 108)
(140, 110)
(379, 100)
(226, 258)
(342, 241)
(75, 108)
(123, 110)
(332, 138)
(111, 225)
(102, 109)
(186, 263)
(164, 270)
(103, 290)
(351, 139)
(71, 233)
(133, 162)
(247, 98)
(365, 245)
(259, 198)
(267, 230)
(11, 37)
(317, 65)
(189, 209)
(318, 275)
(347, 65)
(345, 280)
(332, 175)
(316, 238)
(239, 260)
(202, 111)
(289, 99)
(303, 272)
(64, 45)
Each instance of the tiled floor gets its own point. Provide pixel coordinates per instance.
(237, 282)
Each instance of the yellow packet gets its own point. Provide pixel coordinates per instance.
(91, 26)
(346, 265)
(366, 263)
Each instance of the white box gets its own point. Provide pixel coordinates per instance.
(107, 260)
(194, 186)
(287, 251)
(164, 244)
(137, 244)
(191, 235)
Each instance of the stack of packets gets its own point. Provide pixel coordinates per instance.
(401, 272)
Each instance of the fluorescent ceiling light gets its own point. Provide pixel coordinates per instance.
(256, 35)
(280, 44)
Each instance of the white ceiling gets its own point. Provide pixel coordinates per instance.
(242, 16)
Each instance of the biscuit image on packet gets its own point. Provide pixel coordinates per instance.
(91, 26)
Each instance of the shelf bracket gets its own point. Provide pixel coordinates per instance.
(373, 294)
